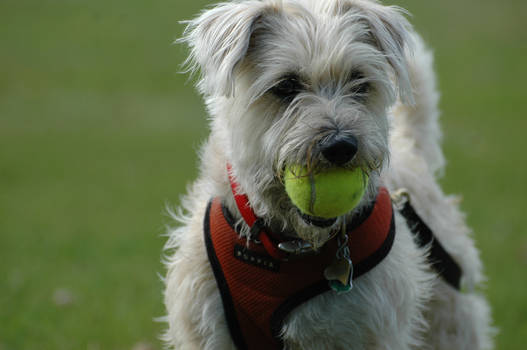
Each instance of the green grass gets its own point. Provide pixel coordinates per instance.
(98, 132)
(481, 48)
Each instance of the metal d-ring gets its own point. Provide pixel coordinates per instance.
(400, 197)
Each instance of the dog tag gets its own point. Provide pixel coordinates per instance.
(339, 274)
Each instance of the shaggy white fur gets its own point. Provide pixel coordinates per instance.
(360, 70)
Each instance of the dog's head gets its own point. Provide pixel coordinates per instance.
(300, 82)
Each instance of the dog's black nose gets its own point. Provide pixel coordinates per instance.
(340, 149)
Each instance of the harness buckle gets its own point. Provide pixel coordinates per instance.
(255, 231)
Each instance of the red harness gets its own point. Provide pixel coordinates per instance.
(259, 286)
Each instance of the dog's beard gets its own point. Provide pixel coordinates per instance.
(314, 235)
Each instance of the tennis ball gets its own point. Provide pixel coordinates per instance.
(326, 194)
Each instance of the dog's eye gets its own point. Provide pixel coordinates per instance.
(287, 88)
(359, 85)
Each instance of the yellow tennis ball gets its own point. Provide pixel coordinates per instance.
(327, 194)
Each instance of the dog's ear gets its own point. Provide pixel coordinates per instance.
(219, 39)
(391, 33)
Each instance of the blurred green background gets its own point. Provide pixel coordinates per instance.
(98, 132)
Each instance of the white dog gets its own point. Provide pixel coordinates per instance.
(323, 84)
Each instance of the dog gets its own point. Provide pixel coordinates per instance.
(344, 84)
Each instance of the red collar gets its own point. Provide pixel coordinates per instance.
(259, 290)
(256, 225)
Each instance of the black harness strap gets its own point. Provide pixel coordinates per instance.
(441, 261)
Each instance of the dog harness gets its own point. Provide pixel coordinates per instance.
(260, 284)
(259, 290)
